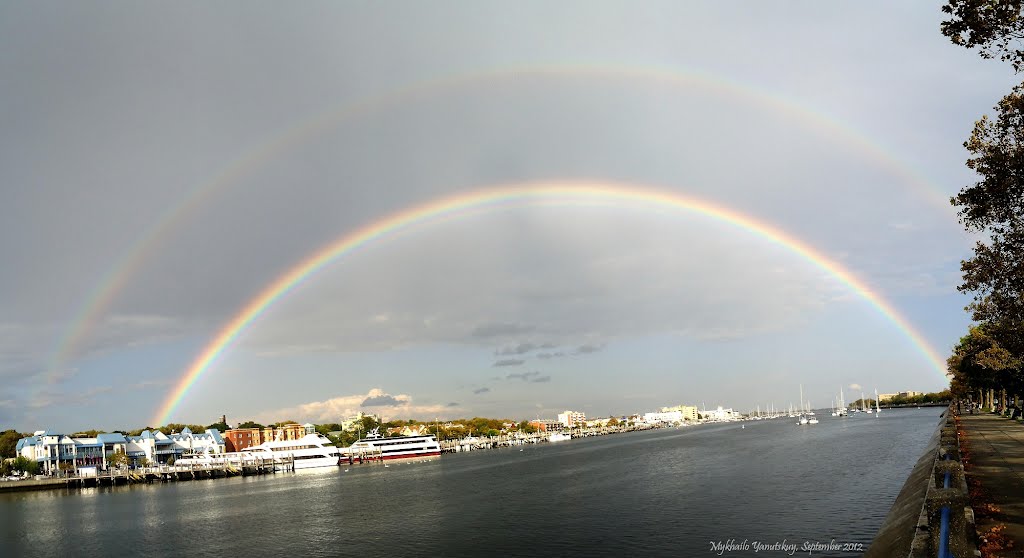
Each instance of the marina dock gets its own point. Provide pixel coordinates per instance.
(162, 473)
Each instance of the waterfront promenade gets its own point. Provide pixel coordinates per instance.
(995, 475)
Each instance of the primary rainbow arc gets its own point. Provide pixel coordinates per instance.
(557, 191)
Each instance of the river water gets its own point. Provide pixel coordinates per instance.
(671, 492)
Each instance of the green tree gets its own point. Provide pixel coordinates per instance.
(87, 434)
(992, 206)
(995, 28)
(117, 459)
(9, 442)
(250, 424)
(612, 421)
(980, 363)
(526, 428)
(26, 465)
(218, 426)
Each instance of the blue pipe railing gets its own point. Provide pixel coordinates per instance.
(944, 524)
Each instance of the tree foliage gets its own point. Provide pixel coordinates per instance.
(9, 442)
(979, 362)
(995, 28)
(26, 465)
(989, 356)
(117, 459)
(995, 206)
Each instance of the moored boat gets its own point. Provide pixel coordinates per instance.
(398, 447)
(311, 450)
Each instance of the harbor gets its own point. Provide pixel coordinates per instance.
(229, 465)
(434, 507)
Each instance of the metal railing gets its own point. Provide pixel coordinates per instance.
(945, 527)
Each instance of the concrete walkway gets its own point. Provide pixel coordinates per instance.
(996, 460)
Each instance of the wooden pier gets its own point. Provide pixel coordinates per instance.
(162, 473)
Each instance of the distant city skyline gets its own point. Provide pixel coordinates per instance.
(160, 181)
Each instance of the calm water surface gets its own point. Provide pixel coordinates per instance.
(670, 492)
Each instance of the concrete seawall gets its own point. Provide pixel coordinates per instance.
(912, 527)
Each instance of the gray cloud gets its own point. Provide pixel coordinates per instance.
(522, 375)
(541, 379)
(589, 348)
(500, 330)
(519, 349)
(547, 356)
(381, 401)
(478, 391)
(453, 404)
(508, 362)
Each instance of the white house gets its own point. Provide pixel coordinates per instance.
(52, 450)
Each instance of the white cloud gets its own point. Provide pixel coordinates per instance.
(337, 408)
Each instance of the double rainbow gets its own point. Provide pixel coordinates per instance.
(147, 242)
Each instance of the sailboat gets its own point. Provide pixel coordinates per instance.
(803, 415)
(864, 403)
(878, 410)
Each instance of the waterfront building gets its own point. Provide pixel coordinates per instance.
(670, 417)
(54, 451)
(571, 419)
(288, 432)
(883, 397)
(720, 414)
(689, 412)
(238, 439)
(546, 425)
(355, 422)
(409, 430)
(159, 448)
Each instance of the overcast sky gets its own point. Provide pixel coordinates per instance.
(213, 147)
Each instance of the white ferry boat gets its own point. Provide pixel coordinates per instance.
(311, 450)
(399, 447)
(559, 437)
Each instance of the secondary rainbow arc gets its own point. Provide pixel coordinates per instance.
(554, 191)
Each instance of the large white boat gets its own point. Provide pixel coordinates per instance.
(311, 450)
(398, 447)
(559, 437)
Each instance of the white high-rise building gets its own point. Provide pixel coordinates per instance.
(571, 419)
